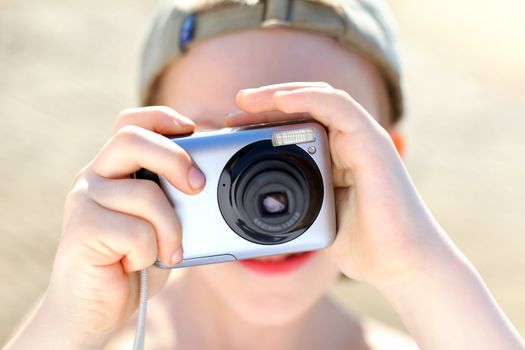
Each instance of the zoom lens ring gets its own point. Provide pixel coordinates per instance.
(259, 169)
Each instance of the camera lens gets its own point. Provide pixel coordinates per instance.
(270, 195)
(274, 203)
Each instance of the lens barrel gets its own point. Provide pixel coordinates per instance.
(270, 195)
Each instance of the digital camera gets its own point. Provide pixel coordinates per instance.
(268, 191)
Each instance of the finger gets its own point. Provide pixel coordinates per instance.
(160, 119)
(248, 99)
(252, 100)
(241, 118)
(331, 107)
(143, 199)
(133, 148)
(107, 237)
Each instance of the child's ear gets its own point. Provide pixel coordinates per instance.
(399, 142)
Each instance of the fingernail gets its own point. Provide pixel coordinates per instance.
(177, 256)
(234, 113)
(196, 178)
(281, 93)
(184, 121)
(247, 91)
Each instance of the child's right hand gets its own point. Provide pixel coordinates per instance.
(115, 226)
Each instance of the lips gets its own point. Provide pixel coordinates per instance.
(277, 264)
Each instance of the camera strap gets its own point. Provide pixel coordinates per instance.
(138, 343)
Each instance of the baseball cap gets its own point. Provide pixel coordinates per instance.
(363, 26)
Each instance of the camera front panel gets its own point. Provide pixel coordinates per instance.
(241, 212)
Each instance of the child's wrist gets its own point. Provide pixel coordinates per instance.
(76, 336)
(436, 264)
(46, 328)
(415, 262)
(449, 297)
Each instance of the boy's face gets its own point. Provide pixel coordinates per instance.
(202, 84)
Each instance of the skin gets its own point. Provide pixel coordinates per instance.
(114, 226)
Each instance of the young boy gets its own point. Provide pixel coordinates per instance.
(115, 225)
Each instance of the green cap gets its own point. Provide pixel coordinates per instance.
(363, 26)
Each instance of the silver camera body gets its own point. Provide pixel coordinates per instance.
(268, 191)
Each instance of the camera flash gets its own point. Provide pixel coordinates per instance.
(293, 137)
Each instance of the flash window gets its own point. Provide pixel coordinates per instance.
(293, 137)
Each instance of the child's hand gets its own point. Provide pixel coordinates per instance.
(384, 229)
(386, 236)
(115, 226)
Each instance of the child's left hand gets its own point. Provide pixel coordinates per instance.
(385, 232)
(386, 236)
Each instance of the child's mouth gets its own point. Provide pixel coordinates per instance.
(277, 264)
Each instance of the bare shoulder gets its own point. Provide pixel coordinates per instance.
(379, 336)
(346, 330)
(364, 333)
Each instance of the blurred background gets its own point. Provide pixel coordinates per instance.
(68, 68)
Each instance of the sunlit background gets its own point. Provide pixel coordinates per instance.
(68, 68)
